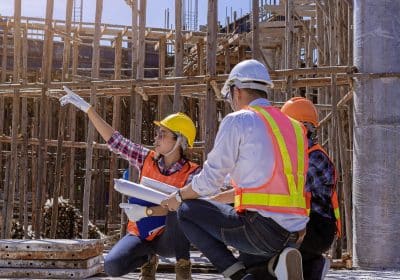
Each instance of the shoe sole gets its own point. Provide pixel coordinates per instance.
(293, 270)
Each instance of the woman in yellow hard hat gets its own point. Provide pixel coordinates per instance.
(152, 229)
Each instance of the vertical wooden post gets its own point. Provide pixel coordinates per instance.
(255, 43)
(140, 70)
(202, 103)
(116, 121)
(42, 149)
(289, 43)
(91, 132)
(211, 116)
(3, 80)
(10, 189)
(164, 104)
(133, 173)
(178, 54)
(61, 123)
(24, 127)
(72, 122)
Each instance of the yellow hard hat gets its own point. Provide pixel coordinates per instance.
(180, 123)
(301, 109)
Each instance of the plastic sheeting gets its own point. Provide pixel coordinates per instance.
(376, 174)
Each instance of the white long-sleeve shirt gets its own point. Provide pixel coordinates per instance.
(243, 150)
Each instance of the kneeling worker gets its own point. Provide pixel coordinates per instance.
(166, 164)
(265, 154)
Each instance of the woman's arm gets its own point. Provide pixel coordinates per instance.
(105, 130)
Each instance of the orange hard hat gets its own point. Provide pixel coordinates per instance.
(301, 109)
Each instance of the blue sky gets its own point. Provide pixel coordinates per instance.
(118, 12)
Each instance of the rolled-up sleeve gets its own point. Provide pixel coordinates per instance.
(221, 160)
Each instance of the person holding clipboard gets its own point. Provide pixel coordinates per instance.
(152, 229)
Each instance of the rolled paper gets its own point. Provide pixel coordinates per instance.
(139, 191)
(158, 186)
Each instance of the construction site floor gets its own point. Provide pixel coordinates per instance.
(203, 270)
(332, 275)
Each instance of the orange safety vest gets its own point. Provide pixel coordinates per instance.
(284, 192)
(178, 179)
(334, 196)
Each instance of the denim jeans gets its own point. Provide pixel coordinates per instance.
(320, 235)
(131, 252)
(211, 226)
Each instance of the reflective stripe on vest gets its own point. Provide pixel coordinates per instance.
(334, 196)
(178, 179)
(290, 196)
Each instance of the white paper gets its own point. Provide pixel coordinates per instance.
(139, 191)
(158, 186)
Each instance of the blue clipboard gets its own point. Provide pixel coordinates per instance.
(148, 225)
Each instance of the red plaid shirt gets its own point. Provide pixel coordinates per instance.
(135, 154)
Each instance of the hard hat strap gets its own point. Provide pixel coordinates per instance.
(177, 144)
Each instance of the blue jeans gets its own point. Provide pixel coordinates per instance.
(211, 226)
(131, 252)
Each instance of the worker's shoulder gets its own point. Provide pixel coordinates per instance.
(243, 118)
(242, 114)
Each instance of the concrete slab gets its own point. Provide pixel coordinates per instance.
(332, 275)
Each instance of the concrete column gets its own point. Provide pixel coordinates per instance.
(376, 172)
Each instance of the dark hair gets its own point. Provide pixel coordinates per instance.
(257, 92)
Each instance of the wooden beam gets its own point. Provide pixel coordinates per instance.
(91, 132)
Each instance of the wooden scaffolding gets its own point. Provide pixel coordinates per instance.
(51, 151)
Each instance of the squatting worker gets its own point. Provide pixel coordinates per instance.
(265, 154)
(167, 164)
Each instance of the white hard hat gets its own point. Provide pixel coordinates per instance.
(248, 74)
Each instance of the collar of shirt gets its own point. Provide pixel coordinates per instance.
(173, 168)
(260, 102)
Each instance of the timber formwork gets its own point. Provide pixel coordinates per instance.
(48, 151)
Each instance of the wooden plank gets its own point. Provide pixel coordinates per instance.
(50, 273)
(50, 245)
(60, 255)
(52, 264)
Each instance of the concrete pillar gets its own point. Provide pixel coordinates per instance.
(376, 174)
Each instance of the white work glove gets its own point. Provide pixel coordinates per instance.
(134, 212)
(74, 99)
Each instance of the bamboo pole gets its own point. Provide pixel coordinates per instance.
(91, 131)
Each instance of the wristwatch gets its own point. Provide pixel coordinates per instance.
(178, 196)
(149, 211)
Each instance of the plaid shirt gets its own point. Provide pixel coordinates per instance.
(320, 182)
(136, 154)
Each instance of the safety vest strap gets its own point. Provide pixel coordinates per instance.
(295, 190)
(272, 200)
